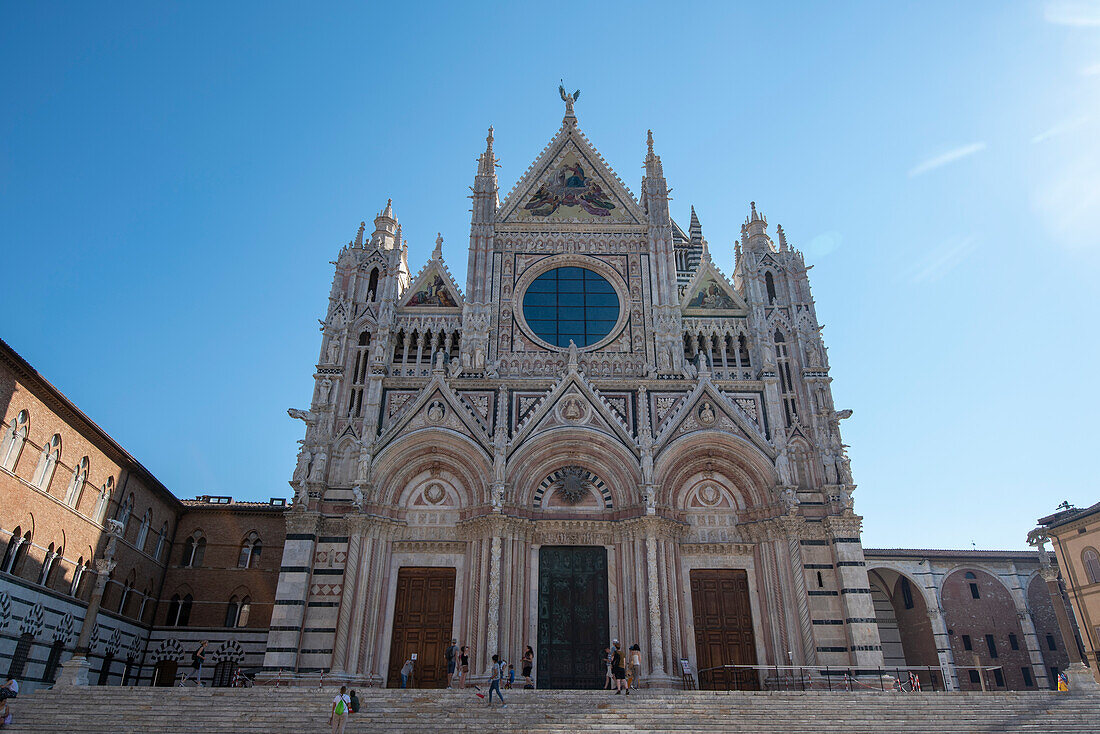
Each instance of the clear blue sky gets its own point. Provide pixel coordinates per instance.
(175, 178)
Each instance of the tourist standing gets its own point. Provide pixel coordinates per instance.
(528, 666)
(451, 653)
(495, 674)
(463, 665)
(610, 680)
(406, 673)
(635, 666)
(338, 717)
(618, 668)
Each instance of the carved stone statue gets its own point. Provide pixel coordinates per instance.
(357, 494)
(573, 355)
(569, 99)
(844, 467)
(333, 349)
(645, 444)
(664, 360)
(706, 414)
(301, 468)
(323, 394)
(309, 417)
(500, 445)
(783, 467)
(830, 468)
(317, 471)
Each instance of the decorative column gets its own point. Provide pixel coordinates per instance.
(492, 639)
(74, 671)
(656, 639)
(1078, 675)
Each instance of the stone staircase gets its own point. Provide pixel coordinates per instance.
(303, 710)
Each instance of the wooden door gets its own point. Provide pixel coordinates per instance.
(423, 614)
(723, 628)
(573, 627)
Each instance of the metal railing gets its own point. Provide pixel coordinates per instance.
(903, 679)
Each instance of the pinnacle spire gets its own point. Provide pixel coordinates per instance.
(388, 211)
(359, 235)
(781, 236)
(695, 229)
(487, 162)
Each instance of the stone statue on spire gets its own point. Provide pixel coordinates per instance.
(569, 99)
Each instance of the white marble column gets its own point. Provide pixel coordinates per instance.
(656, 641)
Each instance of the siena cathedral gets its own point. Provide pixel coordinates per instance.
(602, 436)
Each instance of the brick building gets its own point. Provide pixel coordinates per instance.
(61, 479)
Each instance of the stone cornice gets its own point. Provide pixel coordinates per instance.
(717, 549)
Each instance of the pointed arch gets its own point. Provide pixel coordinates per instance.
(76, 484)
(15, 437)
(47, 463)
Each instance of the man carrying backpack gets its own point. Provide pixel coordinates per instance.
(338, 717)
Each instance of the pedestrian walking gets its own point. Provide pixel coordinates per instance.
(451, 653)
(618, 668)
(528, 666)
(495, 674)
(197, 659)
(406, 673)
(635, 666)
(338, 717)
(609, 678)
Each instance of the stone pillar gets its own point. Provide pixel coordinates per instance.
(492, 638)
(292, 593)
(349, 600)
(74, 671)
(855, 591)
(944, 653)
(1031, 638)
(1080, 678)
(656, 641)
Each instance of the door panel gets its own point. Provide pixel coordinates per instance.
(573, 627)
(723, 628)
(423, 613)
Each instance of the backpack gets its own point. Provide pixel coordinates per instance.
(340, 707)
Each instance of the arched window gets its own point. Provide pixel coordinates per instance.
(144, 605)
(194, 548)
(104, 499)
(1091, 559)
(250, 551)
(16, 550)
(242, 615)
(769, 283)
(786, 385)
(162, 542)
(124, 512)
(372, 285)
(973, 583)
(143, 530)
(185, 610)
(47, 463)
(179, 611)
(231, 611)
(14, 438)
(76, 484)
(78, 576)
(51, 573)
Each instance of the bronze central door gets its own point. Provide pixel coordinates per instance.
(573, 626)
(723, 628)
(423, 613)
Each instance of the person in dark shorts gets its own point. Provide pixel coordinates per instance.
(451, 653)
(528, 666)
(463, 665)
(618, 668)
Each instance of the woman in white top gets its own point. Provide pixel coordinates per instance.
(635, 665)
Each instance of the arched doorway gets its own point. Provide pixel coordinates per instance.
(903, 624)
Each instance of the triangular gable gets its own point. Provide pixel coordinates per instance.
(433, 288)
(710, 294)
(570, 182)
(437, 406)
(573, 402)
(708, 409)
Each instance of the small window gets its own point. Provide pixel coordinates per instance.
(185, 610)
(372, 285)
(249, 555)
(769, 283)
(231, 611)
(906, 593)
(47, 463)
(1050, 642)
(820, 581)
(966, 643)
(1013, 642)
(974, 677)
(14, 439)
(1026, 673)
(76, 484)
(974, 591)
(194, 549)
(999, 677)
(992, 645)
(1054, 677)
(103, 499)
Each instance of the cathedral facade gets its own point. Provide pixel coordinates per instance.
(601, 436)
